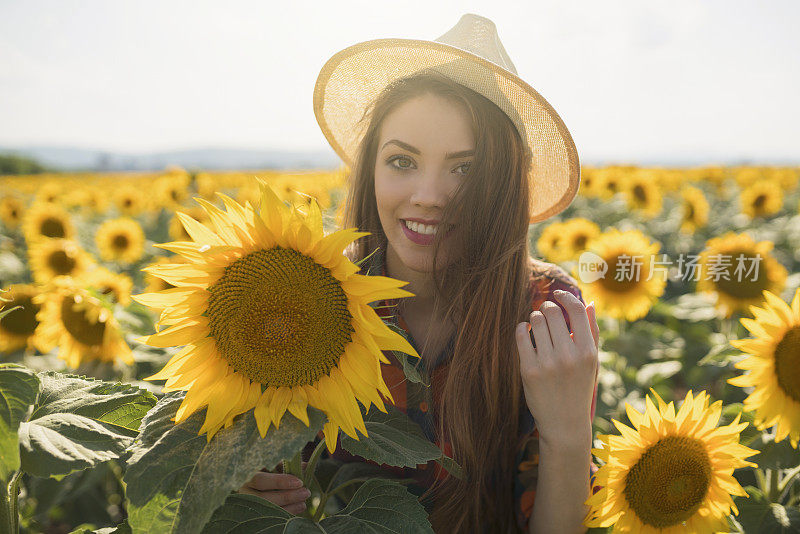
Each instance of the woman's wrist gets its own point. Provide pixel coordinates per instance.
(576, 439)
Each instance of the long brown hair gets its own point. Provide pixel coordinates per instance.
(484, 293)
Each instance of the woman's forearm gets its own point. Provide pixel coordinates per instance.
(562, 486)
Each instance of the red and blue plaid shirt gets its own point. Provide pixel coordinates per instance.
(417, 400)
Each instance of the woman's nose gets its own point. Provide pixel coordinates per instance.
(430, 190)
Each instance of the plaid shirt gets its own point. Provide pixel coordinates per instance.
(416, 400)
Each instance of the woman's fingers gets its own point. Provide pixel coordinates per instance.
(579, 321)
(273, 481)
(591, 312)
(559, 334)
(281, 498)
(541, 336)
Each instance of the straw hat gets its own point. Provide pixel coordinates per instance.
(471, 54)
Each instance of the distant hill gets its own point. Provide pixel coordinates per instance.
(77, 159)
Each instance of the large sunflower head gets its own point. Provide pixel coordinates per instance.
(642, 192)
(12, 209)
(47, 220)
(79, 324)
(53, 258)
(672, 472)
(761, 198)
(737, 269)
(17, 328)
(773, 366)
(120, 240)
(627, 289)
(272, 316)
(116, 285)
(695, 209)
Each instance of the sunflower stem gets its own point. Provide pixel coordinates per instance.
(294, 466)
(786, 483)
(761, 479)
(772, 485)
(312, 462)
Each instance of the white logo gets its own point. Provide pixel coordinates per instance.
(591, 267)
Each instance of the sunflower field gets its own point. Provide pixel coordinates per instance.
(141, 316)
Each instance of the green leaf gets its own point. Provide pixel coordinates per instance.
(115, 403)
(378, 507)
(18, 389)
(78, 422)
(394, 439)
(176, 478)
(244, 514)
(58, 444)
(757, 514)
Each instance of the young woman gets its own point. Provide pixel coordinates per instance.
(448, 170)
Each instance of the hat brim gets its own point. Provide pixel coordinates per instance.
(355, 76)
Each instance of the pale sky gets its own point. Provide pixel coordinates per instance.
(630, 78)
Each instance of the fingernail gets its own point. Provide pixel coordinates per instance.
(297, 482)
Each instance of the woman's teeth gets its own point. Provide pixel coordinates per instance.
(424, 229)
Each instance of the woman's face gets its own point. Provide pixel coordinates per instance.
(425, 148)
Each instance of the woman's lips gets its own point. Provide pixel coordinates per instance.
(420, 239)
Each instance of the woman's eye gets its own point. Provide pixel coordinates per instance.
(400, 158)
(467, 165)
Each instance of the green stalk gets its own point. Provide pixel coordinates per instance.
(761, 479)
(312, 462)
(294, 466)
(772, 483)
(785, 484)
(9, 516)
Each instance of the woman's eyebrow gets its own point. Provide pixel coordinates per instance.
(414, 150)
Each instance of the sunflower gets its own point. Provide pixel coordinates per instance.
(52, 258)
(774, 366)
(609, 182)
(642, 193)
(273, 317)
(106, 282)
(11, 210)
(588, 183)
(695, 209)
(737, 270)
(577, 233)
(172, 190)
(48, 192)
(154, 284)
(78, 323)
(120, 240)
(761, 198)
(206, 185)
(130, 200)
(176, 230)
(672, 472)
(17, 328)
(47, 220)
(628, 289)
(550, 244)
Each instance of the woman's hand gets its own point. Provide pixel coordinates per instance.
(558, 376)
(284, 490)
